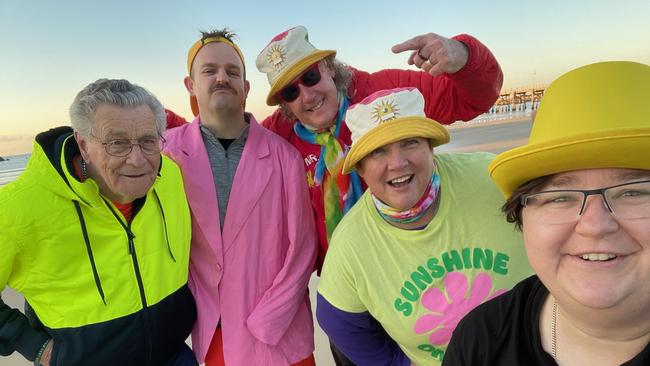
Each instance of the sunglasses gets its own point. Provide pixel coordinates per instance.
(309, 78)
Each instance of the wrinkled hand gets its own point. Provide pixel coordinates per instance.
(46, 357)
(435, 54)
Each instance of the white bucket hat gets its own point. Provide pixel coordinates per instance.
(388, 116)
(287, 56)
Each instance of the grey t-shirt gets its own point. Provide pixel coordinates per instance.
(223, 163)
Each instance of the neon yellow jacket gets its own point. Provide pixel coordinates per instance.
(106, 291)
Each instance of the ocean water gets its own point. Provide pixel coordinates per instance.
(11, 167)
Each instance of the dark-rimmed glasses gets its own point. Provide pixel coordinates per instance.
(625, 201)
(308, 78)
(122, 147)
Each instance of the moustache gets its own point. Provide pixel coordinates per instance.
(223, 86)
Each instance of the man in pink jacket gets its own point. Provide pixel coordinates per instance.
(253, 236)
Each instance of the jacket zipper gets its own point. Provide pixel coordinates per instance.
(136, 267)
(145, 312)
(138, 277)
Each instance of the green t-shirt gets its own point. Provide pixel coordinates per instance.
(419, 283)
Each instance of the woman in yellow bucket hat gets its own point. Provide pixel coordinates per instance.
(424, 245)
(580, 193)
(458, 77)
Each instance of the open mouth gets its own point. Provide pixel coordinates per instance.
(401, 181)
(316, 107)
(597, 257)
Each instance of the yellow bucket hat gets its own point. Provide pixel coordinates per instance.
(287, 56)
(388, 116)
(596, 116)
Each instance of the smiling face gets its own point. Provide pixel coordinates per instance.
(121, 179)
(398, 173)
(317, 105)
(598, 261)
(218, 81)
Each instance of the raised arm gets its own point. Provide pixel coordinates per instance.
(463, 80)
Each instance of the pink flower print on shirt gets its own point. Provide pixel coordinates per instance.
(445, 315)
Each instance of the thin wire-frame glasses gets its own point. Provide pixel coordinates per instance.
(625, 201)
(123, 147)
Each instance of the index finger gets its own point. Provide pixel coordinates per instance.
(413, 44)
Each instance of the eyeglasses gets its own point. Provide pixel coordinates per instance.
(123, 147)
(309, 78)
(625, 201)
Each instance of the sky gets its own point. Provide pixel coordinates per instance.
(50, 50)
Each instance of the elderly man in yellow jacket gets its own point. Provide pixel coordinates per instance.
(95, 235)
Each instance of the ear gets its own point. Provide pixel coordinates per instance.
(247, 88)
(330, 70)
(82, 142)
(189, 85)
(360, 170)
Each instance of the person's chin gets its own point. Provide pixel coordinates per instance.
(139, 183)
(603, 298)
(226, 104)
(597, 291)
(320, 119)
(402, 203)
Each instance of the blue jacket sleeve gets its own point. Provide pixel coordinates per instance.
(359, 336)
(16, 334)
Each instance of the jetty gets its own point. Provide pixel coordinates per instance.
(520, 99)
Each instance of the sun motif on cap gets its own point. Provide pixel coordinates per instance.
(276, 56)
(385, 111)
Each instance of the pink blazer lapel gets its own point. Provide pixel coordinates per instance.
(199, 183)
(249, 184)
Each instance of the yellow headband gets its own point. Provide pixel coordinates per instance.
(196, 47)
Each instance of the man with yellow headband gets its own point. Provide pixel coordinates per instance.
(253, 235)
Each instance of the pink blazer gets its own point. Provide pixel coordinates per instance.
(252, 275)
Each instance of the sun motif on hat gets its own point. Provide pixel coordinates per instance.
(385, 111)
(276, 56)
